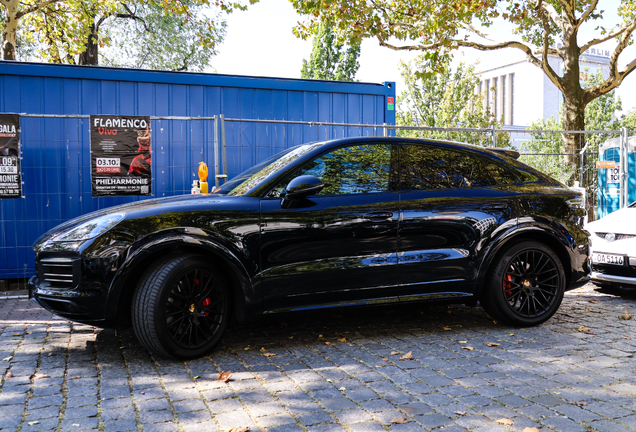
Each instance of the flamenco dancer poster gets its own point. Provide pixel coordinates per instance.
(121, 155)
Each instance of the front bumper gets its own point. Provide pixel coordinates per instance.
(621, 280)
(82, 307)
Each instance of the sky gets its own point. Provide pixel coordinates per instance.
(260, 42)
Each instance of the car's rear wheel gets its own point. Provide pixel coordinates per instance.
(525, 286)
(181, 307)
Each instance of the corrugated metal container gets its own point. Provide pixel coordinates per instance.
(56, 151)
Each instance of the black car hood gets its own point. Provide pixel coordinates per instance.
(142, 208)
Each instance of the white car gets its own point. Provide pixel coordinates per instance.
(613, 247)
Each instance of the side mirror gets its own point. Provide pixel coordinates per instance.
(303, 186)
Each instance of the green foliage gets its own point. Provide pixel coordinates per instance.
(164, 41)
(629, 121)
(445, 100)
(330, 59)
(156, 34)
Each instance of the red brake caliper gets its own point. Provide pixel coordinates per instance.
(206, 302)
(508, 285)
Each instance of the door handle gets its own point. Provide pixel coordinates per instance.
(494, 207)
(378, 216)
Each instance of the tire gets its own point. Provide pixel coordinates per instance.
(525, 285)
(181, 308)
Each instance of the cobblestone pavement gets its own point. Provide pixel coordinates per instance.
(332, 372)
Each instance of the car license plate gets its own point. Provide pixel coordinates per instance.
(603, 258)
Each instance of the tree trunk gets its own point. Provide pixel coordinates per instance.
(573, 120)
(10, 29)
(90, 56)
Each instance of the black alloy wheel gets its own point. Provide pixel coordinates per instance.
(181, 308)
(526, 285)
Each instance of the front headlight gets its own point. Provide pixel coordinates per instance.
(90, 229)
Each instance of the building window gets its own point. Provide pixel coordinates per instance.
(494, 97)
(511, 112)
(487, 95)
(503, 98)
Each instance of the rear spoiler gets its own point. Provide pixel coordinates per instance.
(512, 153)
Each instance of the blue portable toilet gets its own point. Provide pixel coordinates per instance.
(609, 188)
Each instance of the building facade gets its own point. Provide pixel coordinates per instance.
(521, 93)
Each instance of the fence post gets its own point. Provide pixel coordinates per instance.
(623, 170)
(223, 148)
(216, 151)
(494, 135)
(384, 130)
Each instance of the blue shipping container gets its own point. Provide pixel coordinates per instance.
(56, 151)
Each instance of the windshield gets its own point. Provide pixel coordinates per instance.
(259, 172)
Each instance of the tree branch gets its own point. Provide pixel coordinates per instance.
(35, 7)
(605, 38)
(586, 14)
(549, 10)
(545, 22)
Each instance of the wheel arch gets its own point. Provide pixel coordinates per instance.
(222, 258)
(547, 236)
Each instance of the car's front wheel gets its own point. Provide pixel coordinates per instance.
(181, 307)
(525, 286)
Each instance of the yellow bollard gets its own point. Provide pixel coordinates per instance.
(203, 177)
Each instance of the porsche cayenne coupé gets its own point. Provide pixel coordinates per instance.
(347, 222)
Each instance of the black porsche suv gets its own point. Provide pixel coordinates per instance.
(357, 221)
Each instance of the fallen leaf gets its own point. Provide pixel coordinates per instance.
(344, 339)
(384, 359)
(627, 337)
(585, 330)
(578, 404)
(291, 337)
(329, 380)
(394, 353)
(626, 316)
(7, 358)
(512, 334)
(463, 342)
(327, 343)
(16, 334)
(224, 376)
(460, 413)
(39, 375)
(34, 422)
(505, 422)
(319, 336)
(530, 429)
(142, 393)
(492, 344)
(197, 377)
(234, 429)
(75, 424)
(342, 389)
(407, 356)
(589, 310)
(446, 328)
(50, 354)
(399, 420)
(76, 377)
(9, 375)
(262, 349)
(469, 348)
(593, 301)
(246, 348)
(269, 355)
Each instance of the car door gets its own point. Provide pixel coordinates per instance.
(338, 246)
(452, 202)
